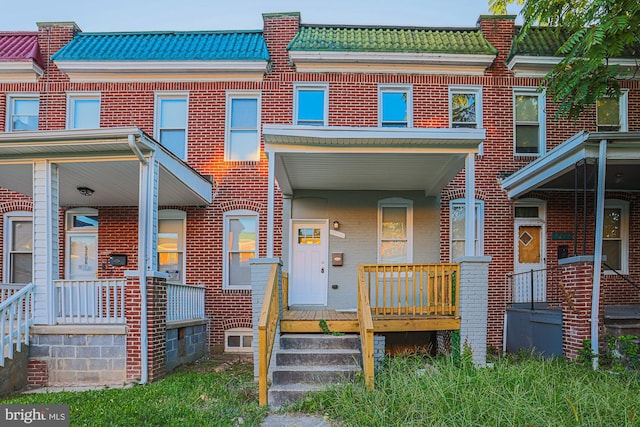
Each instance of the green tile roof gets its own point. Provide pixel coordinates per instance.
(544, 41)
(391, 39)
(166, 46)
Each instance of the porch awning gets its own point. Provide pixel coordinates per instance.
(105, 160)
(555, 171)
(368, 158)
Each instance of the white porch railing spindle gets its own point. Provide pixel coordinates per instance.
(16, 316)
(91, 301)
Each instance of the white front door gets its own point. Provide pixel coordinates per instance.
(309, 274)
(82, 262)
(530, 262)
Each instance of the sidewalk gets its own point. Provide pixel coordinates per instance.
(294, 421)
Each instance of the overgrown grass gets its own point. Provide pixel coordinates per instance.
(197, 396)
(421, 392)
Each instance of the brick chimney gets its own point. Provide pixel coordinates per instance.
(279, 30)
(500, 31)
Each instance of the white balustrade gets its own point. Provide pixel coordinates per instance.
(16, 316)
(90, 301)
(184, 302)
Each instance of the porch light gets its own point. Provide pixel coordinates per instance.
(85, 191)
(336, 225)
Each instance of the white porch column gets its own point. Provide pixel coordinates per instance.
(597, 255)
(470, 206)
(46, 261)
(474, 303)
(271, 204)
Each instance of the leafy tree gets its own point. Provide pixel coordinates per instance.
(595, 31)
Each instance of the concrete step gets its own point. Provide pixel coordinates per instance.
(618, 330)
(319, 341)
(622, 314)
(314, 357)
(314, 374)
(284, 394)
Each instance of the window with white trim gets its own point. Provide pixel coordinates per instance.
(529, 121)
(615, 238)
(240, 245)
(22, 112)
(465, 107)
(458, 227)
(395, 106)
(83, 111)
(238, 340)
(171, 120)
(311, 104)
(611, 113)
(395, 231)
(172, 244)
(18, 234)
(242, 137)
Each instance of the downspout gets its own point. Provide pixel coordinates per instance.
(597, 256)
(142, 263)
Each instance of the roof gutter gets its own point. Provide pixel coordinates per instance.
(136, 149)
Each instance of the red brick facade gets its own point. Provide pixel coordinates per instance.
(243, 185)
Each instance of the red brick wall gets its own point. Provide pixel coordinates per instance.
(576, 308)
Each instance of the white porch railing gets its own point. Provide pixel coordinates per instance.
(6, 290)
(184, 302)
(90, 301)
(16, 316)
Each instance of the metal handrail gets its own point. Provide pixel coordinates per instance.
(530, 278)
(626, 279)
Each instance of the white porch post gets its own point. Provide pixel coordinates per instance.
(45, 240)
(271, 205)
(470, 206)
(597, 256)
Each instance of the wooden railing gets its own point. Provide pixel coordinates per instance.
(285, 290)
(366, 329)
(267, 332)
(90, 301)
(412, 289)
(16, 316)
(184, 302)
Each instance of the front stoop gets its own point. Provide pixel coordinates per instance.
(310, 362)
(622, 320)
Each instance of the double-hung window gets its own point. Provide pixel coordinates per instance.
(465, 106)
(311, 104)
(611, 113)
(240, 245)
(242, 141)
(615, 244)
(171, 122)
(529, 106)
(395, 106)
(171, 244)
(18, 247)
(22, 114)
(83, 111)
(457, 210)
(395, 231)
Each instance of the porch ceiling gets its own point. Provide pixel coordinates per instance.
(555, 171)
(102, 160)
(340, 158)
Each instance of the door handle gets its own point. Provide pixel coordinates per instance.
(322, 270)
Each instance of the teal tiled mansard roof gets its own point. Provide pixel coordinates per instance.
(166, 46)
(391, 39)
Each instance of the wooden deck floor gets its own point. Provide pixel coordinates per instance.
(305, 321)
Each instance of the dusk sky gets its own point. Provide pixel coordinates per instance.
(139, 15)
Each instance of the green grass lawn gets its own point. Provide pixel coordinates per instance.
(410, 391)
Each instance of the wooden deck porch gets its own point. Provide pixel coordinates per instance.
(308, 321)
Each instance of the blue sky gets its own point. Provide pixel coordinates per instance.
(146, 15)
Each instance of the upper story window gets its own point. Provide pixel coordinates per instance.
(395, 106)
(311, 106)
(22, 112)
(611, 113)
(242, 141)
(529, 108)
(18, 244)
(465, 107)
(615, 244)
(240, 245)
(171, 122)
(83, 111)
(458, 226)
(395, 231)
(171, 244)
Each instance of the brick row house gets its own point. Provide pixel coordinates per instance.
(166, 171)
